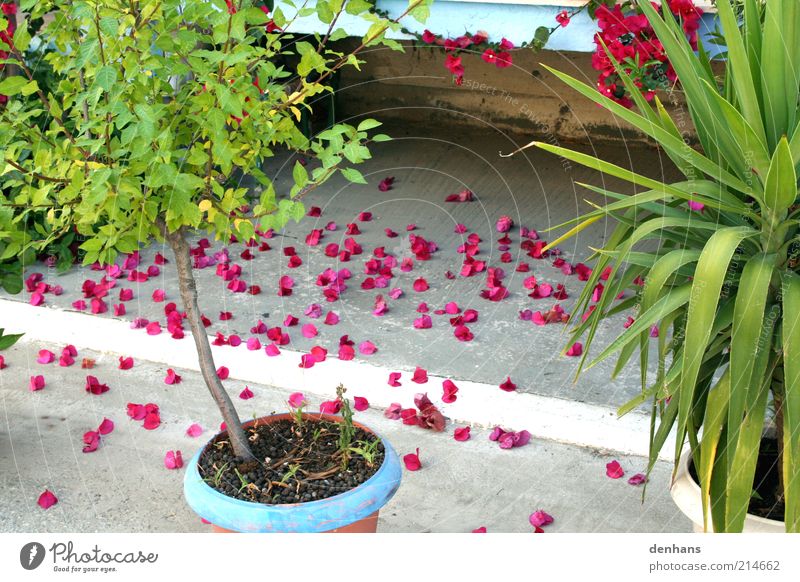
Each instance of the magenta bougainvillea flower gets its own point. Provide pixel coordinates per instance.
(562, 18)
(508, 385)
(614, 470)
(394, 378)
(412, 462)
(45, 357)
(106, 426)
(386, 184)
(420, 375)
(297, 400)
(393, 411)
(360, 403)
(509, 439)
(575, 349)
(47, 499)
(479, 530)
(94, 386)
(540, 518)
(504, 223)
(428, 416)
(37, 383)
(172, 377)
(194, 430)
(91, 440)
(173, 460)
(330, 406)
(461, 434)
(367, 348)
(465, 195)
(246, 394)
(637, 479)
(450, 390)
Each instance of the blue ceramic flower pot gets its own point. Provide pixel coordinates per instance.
(354, 510)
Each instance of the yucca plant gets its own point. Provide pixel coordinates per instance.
(722, 284)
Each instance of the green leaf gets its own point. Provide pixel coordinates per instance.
(6, 341)
(780, 189)
(709, 277)
(12, 85)
(368, 124)
(791, 400)
(300, 175)
(353, 176)
(106, 77)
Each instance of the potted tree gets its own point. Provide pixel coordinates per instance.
(718, 282)
(158, 110)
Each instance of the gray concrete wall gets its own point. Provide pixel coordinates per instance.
(415, 87)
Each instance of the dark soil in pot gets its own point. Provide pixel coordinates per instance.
(293, 463)
(765, 502)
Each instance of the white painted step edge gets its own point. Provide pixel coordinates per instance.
(557, 419)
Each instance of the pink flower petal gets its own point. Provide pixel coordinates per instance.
(91, 441)
(331, 318)
(246, 394)
(194, 430)
(106, 427)
(360, 403)
(614, 470)
(223, 373)
(508, 385)
(461, 434)
(637, 479)
(173, 460)
(47, 499)
(575, 349)
(94, 386)
(272, 350)
(393, 379)
(171, 377)
(309, 330)
(37, 383)
(421, 285)
(153, 328)
(480, 530)
(330, 406)
(450, 390)
(297, 400)
(159, 295)
(307, 361)
(45, 357)
(367, 348)
(393, 412)
(540, 518)
(412, 461)
(420, 376)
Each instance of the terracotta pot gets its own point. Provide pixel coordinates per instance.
(354, 511)
(685, 493)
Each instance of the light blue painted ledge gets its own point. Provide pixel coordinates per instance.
(515, 20)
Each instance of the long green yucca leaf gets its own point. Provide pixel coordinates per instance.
(740, 70)
(791, 399)
(663, 136)
(750, 145)
(780, 189)
(644, 229)
(794, 146)
(742, 467)
(706, 287)
(625, 174)
(773, 71)
(663, 307)
(707, 118)
(686, 168)
(695, 190)
(634, 258)
(660, 435)
(792, 75)
(662, 270)
(752, 40)
(746, 340)
(585, 223)
(638, 400)
(719, 484)
(715, 415)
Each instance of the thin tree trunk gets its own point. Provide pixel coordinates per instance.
(188, 290)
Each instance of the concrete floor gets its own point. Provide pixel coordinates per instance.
(536, 189)
(124, 487)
